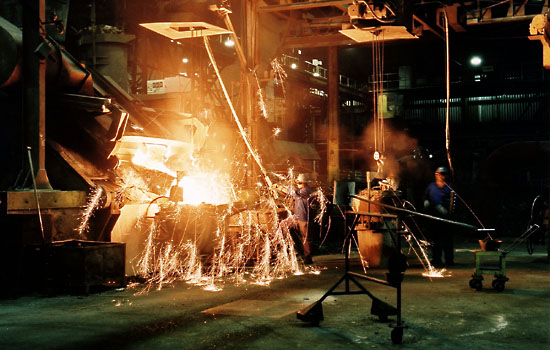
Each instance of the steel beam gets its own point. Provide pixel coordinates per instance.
(304, 5)
(34, 75)
(24, 202)
(333, 141)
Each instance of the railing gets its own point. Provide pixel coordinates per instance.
(390, 81)
(317, 71)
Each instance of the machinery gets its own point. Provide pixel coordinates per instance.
(83, 152)
(80, 136)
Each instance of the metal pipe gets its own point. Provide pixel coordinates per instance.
(62, 70)
(370, 278)
(416, 213)
(11, 41)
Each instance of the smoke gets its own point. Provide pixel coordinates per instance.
(397, 145)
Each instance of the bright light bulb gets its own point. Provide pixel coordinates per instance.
(229, 42)
(293, 66)
(185, 60)
(475, 61)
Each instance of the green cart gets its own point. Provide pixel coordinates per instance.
(489, 263)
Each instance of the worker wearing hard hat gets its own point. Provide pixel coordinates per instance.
(437, 199)
(301, 193)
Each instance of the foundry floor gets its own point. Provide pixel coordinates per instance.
(442, 313)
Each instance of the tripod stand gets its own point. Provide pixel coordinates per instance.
(397, 264)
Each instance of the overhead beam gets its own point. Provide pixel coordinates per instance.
(516, 12)
(475, 22)
(321, 40)
(304, 5)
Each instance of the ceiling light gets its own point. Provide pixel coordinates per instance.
(229, 42)
(475, 61)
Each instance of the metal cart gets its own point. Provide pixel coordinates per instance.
(492, 261)
(489, 263)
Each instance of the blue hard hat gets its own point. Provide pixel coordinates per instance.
(442, 170)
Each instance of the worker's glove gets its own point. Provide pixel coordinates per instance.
(441, 209)
(426, 204)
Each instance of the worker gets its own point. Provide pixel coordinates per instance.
(301, 194)
(176, 191)
(437, 201)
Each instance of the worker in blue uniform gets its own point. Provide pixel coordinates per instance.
(437, 202)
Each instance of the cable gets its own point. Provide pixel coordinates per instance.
(448, 95)
(378, 90)
(467, 206)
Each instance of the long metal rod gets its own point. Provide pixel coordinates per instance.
(348, 247)
(398, 292)
(235, 116)
(36, 194)
(530, 230)
(416, 213)
(369, 278)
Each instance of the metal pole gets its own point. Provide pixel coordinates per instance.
(333, 141)
(246, 59)
(398, 284)
(416, 213)
(34, 75)
(36, 194)
(347, 245)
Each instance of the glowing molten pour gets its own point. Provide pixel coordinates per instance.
(210, 188)
(153, 156)
(198, 187)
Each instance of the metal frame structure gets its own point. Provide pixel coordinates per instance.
(314, 312)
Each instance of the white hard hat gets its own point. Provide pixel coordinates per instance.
(302, 178)
(442, 170)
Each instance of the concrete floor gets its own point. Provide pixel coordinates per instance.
(443, 313)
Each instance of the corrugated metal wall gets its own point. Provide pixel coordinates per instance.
(504, 108)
